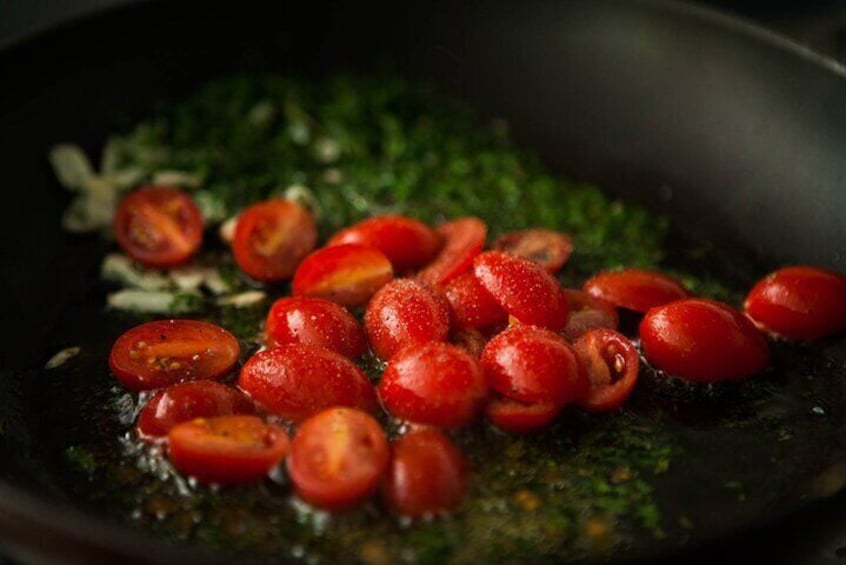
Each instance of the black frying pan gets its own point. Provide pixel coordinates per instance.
(736, 134)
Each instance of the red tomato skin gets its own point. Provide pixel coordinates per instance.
(703, 341)
(427, 475)
(518, 418)
(351, 444)
(548, 248)
(463, 239)
(588, 313)
(405, 312)
(532, 365)
(473, 306)
(314, 321)
(524, 289)
(408, 244)
(166, 352)
(347, 274)
(435, 383)
(635, 289)
(234, 449)
(187, 401)
(272, 238)
(612, 364)
(800, 303)
(158, 226)
(295, 381)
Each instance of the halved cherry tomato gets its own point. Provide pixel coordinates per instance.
(338, 457)
(186, 401)
(427, 475)
(405, 312)
(519, 418)
(295, 381)
(703, 341)
(550, 249)
(158, 226)
(635, 289)
(802, 303)
(314, 321)
(167, 352)
(347, 274)
(472, 305)
(533, 365)
(612, 363)
(463, 240)
(407, 243)
(227, 449)
(587, 313)
(435, 383)
(523, 288)
(272, 237)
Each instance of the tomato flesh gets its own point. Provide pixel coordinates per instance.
(427, 475)
(550, 249)
(635, 289)
(800, 303)
(612, 363)
(314, 321)
(703, 341)
(463, 240)
(519, 418)
(587, 313)
(187, 401)
(473, 306)
(272, 238)
(347, 274)
(158, 226)
(295, 381)
(407, 243)
(167, 352)
(338, 457)
(435, 383)
(227, 449)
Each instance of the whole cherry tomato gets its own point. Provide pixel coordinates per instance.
(272, 237)
(801, 303)
(587, 313)
(519, 418)
(167, 352)
(472, 305)
(186, 401)
(407, 243)
(338, 457)
(433, 383)
(314, 321)
(158, 226)
(612, 363)
(348, 274)
(294, 381)
(523, 288)
(405, 312)
(703, 341)
(463, 240)
(635, 289)
(550, 249)
(427, 475)
(227, 449)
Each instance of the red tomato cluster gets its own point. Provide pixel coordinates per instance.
(463, 332)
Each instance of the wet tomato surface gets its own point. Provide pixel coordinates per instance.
(314, 321)
(408, 244)
(635, 289)
(348, 274)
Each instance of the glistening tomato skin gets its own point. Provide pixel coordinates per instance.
(408, 244)
(435, 383)
(473, 306)
(427, 475)
(187, 401)
(587, 313)
(158, 226)
(612, 364)
(272, 238)
(703, 341)
(550, 249)
(519, 418)
(166, 352)
(314, 321)
(227, 449)
(635, 289)
(347, 274)
(800, 303)
(405, 312)
(338, 457)
(463, 240)
(522, 288)
(295, 381)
